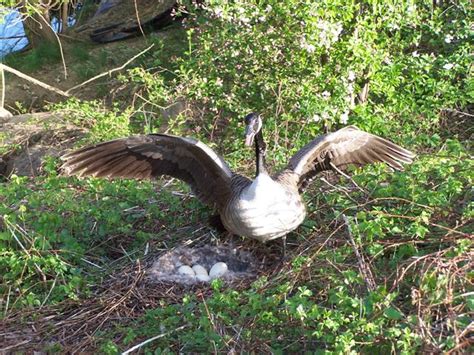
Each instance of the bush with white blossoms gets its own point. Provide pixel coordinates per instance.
(308, 62)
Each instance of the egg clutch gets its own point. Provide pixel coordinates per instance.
(200, 273)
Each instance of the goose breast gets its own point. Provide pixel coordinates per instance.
(264, 210)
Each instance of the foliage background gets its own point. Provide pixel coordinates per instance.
(400, 69)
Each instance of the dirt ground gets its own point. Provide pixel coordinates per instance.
(24, 96)
(33, 132)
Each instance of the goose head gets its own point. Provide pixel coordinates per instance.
(253, 126)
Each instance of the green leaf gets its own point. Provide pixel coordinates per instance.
(392, 313)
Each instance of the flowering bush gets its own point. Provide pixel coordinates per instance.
(326, 63)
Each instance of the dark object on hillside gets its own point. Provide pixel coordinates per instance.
(119, 19)
(267, 207)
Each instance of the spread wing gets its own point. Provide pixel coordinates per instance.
(348, 146)
(150, 156)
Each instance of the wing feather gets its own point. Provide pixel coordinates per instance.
(348, 146)
(150, 156)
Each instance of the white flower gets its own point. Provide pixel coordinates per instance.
(448, 66)
(326, 94)
(219, 82)
(350, 88)
(310, 48)
(336, 31)
(344, 117)
(351, 76)
(415, 54)
(448, 38)
(268, 8)
(218, 12)
(316, 118)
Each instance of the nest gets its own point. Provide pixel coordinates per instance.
(241, 264)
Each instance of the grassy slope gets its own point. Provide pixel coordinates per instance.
(398, 279)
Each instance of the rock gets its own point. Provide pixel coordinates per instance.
(27, 139)
(117, 19)
(4, 113)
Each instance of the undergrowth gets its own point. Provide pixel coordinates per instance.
(383, 263)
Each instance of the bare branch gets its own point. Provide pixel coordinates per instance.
(138, 346)
(33, 80)
(110, 71)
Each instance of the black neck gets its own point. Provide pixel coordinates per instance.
(260, 149)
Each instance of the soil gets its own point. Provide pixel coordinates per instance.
(22, 96)
(33, 132)
(27, 139)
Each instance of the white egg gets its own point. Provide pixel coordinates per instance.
(186, 270)
(218, 270)
(201, 273)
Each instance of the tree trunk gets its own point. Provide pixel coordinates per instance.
(37, 23)
(64, 13)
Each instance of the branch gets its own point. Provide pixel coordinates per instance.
(68, 92)
(110, 71)
(33, 80)
(138, 346)
(363, 266)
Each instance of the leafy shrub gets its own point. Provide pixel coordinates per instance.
(102, 123)
(307, 64)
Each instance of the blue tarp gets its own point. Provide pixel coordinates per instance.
(12, 33)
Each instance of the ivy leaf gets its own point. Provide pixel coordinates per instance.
(392, 313)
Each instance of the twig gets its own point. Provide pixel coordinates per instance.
(138, 19)
(49, 293)
(33, 80)
(138, 346)
(457, 111)
(91, 263)
(110, 71)
(364, 268)
(2, 101)
(347, 177)
(341, 189)
(415, 219)
(404, 271)
(14, 345)
(63, 60)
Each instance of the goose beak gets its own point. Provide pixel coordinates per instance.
(249, 135)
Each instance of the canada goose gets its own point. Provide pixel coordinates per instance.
(265, 208)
